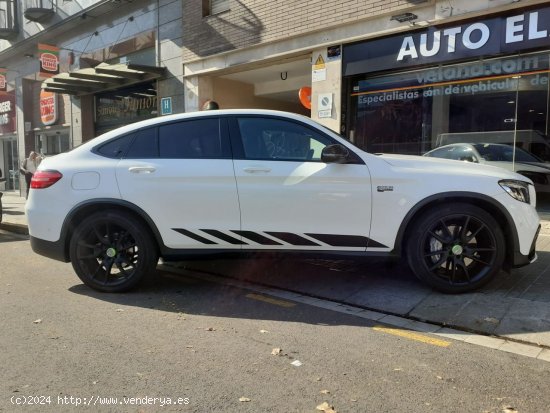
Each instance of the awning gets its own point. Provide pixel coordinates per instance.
(101, 78)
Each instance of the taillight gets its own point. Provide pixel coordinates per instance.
(45, 179)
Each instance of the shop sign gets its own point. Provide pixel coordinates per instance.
(124, 106)
(3, 80)
(49, 60)
(7, 113)
(48, 107)
(166, 106)
(498, 35)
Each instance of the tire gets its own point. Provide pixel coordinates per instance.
(112, 252)
(456, 248)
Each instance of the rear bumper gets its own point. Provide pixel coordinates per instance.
(520, 259)
(54, 250)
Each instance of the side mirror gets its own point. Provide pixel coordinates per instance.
(336, 153)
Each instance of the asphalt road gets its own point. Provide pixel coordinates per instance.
(208, 347)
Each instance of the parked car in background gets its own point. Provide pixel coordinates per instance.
(533, 141)
(500, 155)
(254, 180)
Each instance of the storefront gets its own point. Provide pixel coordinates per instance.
(483, 81)
(123, 106)
(9, 179)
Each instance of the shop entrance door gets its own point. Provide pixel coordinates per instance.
(11, 163)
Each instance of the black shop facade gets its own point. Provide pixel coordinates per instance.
(481, 80)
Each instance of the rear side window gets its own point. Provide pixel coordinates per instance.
(115, 148)
(193, 139)
(145, 145)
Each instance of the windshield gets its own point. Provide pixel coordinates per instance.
(503, 153)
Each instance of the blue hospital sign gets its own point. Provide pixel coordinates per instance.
(166, 106)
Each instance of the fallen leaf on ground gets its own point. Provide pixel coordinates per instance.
(324, 392)
(325, 407)
(276, 351)
(244, 399)
(296, 363)
(210, 329)
(264, 331)
(509, 409)
(37, 321)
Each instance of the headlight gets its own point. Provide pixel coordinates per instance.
(516, 189)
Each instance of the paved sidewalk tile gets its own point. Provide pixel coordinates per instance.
(521, 349)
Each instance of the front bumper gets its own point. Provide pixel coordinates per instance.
(520, 260)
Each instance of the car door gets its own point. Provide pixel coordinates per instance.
(289, 198)
(181, 174)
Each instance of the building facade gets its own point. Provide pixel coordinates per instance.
(401, 76)
(73, 70)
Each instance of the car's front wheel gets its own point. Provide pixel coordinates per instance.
(456, 248)
(112, 252)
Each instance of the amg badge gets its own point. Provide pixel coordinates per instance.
(383, 188)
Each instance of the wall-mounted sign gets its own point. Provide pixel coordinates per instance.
(48, 107)
(166, 106)
(489, 37)
(7, 113)
(334, 53)
(123, 106)
(324, 105)
(3, 80)
(49, 60)
(319, 72)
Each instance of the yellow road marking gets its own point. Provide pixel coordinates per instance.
(270, 300)
(413, 336)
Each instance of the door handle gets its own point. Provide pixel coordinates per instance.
(142, 169)
(256, 169)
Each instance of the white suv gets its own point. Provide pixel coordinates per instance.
(249, 180)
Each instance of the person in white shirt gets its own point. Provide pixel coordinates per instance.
(28, 167)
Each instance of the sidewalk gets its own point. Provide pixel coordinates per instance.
(13, 216)
(514, 306)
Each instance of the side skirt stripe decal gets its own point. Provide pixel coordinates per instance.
(375, 244)
(334, 240)
(224, 237)
(292, 238)
(341, 240)
(257, 238)
(194, 236)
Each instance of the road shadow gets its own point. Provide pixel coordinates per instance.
(190, 296)
(12, 211)
(6, 236)
(514, 304)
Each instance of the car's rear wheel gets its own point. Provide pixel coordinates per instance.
(456, 248)
(112, 252)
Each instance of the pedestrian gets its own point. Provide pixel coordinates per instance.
(29, 167)
(210, 105)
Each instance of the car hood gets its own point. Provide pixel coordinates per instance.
(523, 166)
(449, 166)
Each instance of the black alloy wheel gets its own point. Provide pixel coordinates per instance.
(456, 248)
(112, 252)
